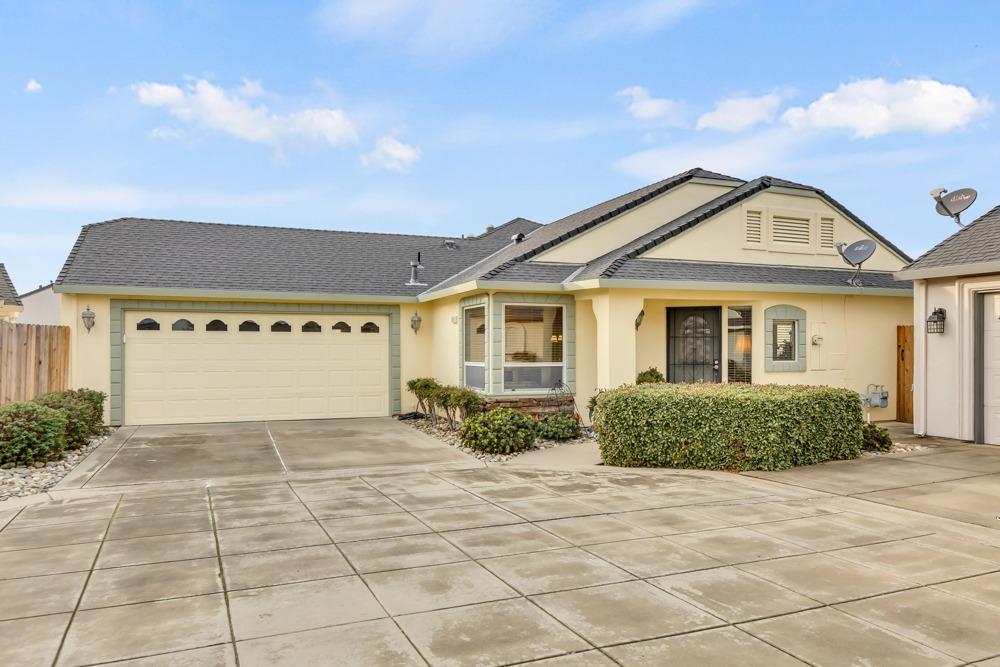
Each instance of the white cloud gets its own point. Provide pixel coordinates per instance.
(739, 113)
(203, 104)
(644, 107)
(615, 18)
(32, 86)
(438, 29)
(392, 154)
(487, 131)
(873, 107)
(251, 88)
(164, 133)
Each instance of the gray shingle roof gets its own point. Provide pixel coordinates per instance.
(139, 252)
(687, 271)
(978, 242)
(8, 294)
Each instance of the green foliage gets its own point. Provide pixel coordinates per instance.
(423, 389)
(499, 431)
(95, 400)
(558, 427)
(650, 376)
(875, 438)
(727, 427)
(466, 402)
(30, 432)
(79, 415)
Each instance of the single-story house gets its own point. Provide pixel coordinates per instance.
(41, 306)
(956, 310)
(707, 277)
(10, 304)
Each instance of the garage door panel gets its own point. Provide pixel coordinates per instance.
(203, 376)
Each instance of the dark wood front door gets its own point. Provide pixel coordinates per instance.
(694, 344)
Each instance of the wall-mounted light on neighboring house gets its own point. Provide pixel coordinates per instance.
(88, 317)
(639, 318)
(415, 322)
(935, 321)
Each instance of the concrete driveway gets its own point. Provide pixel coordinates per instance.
(492, 566)
(257, 450)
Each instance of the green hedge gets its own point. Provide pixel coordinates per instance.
(558, 427)
(30, 432)
(727, 427)
(499, 431)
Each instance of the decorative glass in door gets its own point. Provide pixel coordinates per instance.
(694, 344)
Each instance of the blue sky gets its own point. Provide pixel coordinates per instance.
(444, 116)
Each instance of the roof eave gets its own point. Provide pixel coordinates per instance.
(947, 271)
(496, 285)
(722, 286)
(249, 295)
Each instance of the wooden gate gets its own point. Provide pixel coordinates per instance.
(34, 359)
(904, 373)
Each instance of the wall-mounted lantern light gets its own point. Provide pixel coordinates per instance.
(639, 318)
(88, 317)
(415, 322)
(935, 321)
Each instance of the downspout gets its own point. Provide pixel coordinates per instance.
(920, 325)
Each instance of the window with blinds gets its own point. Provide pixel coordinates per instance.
(740, 332)
(755, 228)
(532, 347)
(475, 347)
(790, 230)
(784, 340)
(826, 233)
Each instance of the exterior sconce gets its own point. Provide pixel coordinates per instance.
(935, 321)
(88, 317)
(639, 318)
(415, 322)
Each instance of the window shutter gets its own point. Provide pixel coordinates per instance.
(826, 233)
(786, 229)
(754, 228)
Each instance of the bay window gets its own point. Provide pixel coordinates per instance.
(532, 347)
(474, 354)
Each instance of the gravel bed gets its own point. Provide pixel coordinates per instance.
(31, 480)
(450, 437)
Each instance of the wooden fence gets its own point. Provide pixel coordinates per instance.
(34, 359)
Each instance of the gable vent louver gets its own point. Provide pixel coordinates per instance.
(826, 233)
(786, 229)
(755, 234)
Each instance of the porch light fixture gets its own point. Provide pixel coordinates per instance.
(88, 317)
(415, 322)
(639, 318)
(935, 321)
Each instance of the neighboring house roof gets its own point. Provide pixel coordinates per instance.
(8, 294)
(181, 255)
(40, 288)
(972, 249)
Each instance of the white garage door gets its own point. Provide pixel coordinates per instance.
(188, 368)
(991, 369)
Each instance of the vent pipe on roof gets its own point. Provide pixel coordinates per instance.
(489, 229)
(517, 238)
(414, 278)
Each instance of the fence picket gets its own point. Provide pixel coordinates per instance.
(34, 359)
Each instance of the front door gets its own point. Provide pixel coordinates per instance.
(694, 344)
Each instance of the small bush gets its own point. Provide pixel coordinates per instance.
(558, 427)
(650, 376)
(423, 388)
(875, 438)
(30, 432)
(95, 400)
(79, 415)
(728, 427)
(500, 431)
(466, 402)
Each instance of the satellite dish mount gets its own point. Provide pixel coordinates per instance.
(855, 255)
(952, 204)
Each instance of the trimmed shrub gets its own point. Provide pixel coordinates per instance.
(30, 432)
(500, 431)
(423, 388)
(95, 400)
(79, 415)
(650, 376)
(466, 402)
(558, 427)
(728, 427)
(876, 438)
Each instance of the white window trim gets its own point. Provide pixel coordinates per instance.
(526, 364)
(486, 347)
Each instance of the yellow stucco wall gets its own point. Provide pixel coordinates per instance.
(722, 238)
(633, 224)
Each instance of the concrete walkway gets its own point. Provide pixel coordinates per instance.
(493, 566)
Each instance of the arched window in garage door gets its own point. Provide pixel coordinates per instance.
(182, 325)
(369, 327)
(342, 327)
(311, 327)
(281, 326)
(249, 325)
(147, 324)
(216, 325)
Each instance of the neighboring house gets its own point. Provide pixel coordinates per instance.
(704, 276)
(41, 306)
(10, 304)
(956, 310)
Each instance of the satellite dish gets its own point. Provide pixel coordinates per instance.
(953, 203)
(855, 255)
